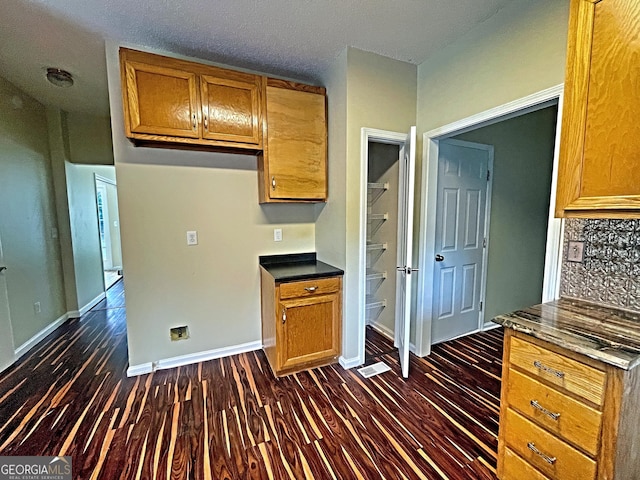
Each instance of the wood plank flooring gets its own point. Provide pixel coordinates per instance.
(231, 419)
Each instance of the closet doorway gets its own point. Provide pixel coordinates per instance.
(386, 267)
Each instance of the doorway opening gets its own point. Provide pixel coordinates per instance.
(524, 241)
(386, 226)
(109, 230)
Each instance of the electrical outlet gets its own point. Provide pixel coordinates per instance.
(179, 333)
(575, 252)
(37, 308)
(192, 237)
(277, 234)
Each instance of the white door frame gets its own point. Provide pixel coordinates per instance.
(99, 178)
(426, 240)
(367, 135)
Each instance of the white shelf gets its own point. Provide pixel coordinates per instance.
(378, 217)
(373, 275)
(378, 186)
(372, 303)
(376, 247)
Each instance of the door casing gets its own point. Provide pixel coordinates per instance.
(426, 239)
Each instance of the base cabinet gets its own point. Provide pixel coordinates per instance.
(565, 416)
(301, 322)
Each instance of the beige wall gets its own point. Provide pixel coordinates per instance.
(380, 93)
(523, 160)
(89, 138)
(28, 224)
(519, 51)
(212, 287)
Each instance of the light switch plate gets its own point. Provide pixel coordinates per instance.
(192, 237)
(575, 252)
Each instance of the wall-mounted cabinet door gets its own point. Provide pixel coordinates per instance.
(599, 172)
(231, 107)
(161, 100)
(293, 166)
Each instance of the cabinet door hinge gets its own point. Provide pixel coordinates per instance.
(480, 306)
(484, 242)
(488, 175)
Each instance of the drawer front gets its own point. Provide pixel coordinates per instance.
(553, 457)
(558, 413)
(559, 370)
(305, 288)
(516, 467)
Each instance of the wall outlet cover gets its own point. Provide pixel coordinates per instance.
(277, 234)
(192, 237)
(575, 252)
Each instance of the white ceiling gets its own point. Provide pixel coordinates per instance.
(293, 38)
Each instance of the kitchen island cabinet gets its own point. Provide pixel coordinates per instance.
(570, 401)
(301, 302)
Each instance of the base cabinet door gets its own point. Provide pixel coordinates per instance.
(308, 330)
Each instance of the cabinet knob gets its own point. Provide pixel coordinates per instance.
(284, 315)
(273, 183)
(194, 121)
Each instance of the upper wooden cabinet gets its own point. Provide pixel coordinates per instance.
(293, 165)
(173, 101)
(599, 172)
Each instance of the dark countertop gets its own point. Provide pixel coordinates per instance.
(297, 266)
(603, 333)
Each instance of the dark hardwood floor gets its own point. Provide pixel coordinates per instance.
(231, 419)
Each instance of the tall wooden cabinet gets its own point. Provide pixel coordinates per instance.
(599, 172)
(293, 165)
(172, 101)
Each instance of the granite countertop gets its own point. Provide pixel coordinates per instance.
(603, 333)
(297, 266)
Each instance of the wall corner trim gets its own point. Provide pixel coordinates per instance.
(172, 362)
(348, 363)
(33, 341)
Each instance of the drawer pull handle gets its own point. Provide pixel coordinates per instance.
(550, 460)
(549, 413)
(539, 365)
(311, 289)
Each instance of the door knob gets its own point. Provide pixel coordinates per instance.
(439, 258)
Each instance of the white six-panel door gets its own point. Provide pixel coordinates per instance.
(461, 223)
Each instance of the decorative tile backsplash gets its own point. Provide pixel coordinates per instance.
(610, 272)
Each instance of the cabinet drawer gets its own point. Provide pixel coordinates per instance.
(549, 454)
(558, 413)
(305, 288)
(516, 467)
(559, 370)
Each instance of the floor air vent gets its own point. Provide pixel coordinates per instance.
(375, 369)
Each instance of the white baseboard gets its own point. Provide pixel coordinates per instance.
(87, 307)
(190, 358)
(390, 334)
(490, 326)
(29, 344)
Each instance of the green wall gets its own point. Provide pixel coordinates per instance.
(523, 162)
